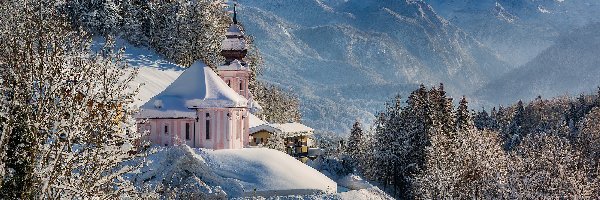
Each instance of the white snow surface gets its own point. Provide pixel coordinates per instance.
(231, 173)
(255, 121)
(354, 182)
(154, 72)
(287, 129)
(370, 194)
(233, 44)
(197, 87)
(153, 81)
(268, 171)
(292, 127)
(234, 65)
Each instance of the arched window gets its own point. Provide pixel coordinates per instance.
(207, 126)
(187, 131)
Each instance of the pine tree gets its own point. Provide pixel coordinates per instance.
(553, 167)
(279, 106)
(588, 141)
(483, 120)
(463, 117)
(515, 130)
(597, 99)
(355, 140)
(276, 141)
(135, 22)
(470, 165)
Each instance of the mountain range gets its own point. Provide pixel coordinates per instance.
(345, 58)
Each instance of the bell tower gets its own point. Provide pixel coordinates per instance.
(235, 71)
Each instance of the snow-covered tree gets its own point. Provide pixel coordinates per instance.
(470, 165)
(514, 132)
(463, 116)
(547, 167)
(279, 106)
(588, 142)
(277, 142)
(66, 124)
(354, 147)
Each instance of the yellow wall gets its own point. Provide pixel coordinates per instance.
(302, 140)
(264, 135)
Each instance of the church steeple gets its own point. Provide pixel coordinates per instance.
(234, 45)
(235, 71)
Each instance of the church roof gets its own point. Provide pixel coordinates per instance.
(233, 44)
(254, 121)
(234, 30)
(233, 65)
(197, 87)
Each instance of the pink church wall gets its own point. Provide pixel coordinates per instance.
(233, 79)
(225, 132)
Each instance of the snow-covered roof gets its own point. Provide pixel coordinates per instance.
(197, 87)
(255, 121)
(234, 65)
(253, 106)
(287, 129)
(233, 44)
(234, 30)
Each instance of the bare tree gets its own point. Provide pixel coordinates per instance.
(66, 125)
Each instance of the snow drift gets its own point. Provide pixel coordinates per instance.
(228, 173)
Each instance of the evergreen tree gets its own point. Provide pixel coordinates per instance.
(277, 142)
(483, 120)
(354, 149)
(515, 130)
(552, 167)
(597, 99)
(470, 165)
(463, 117)
(279, 106)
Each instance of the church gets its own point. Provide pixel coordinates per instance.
(201, 108)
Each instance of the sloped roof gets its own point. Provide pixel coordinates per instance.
(233, 44)
(287, 129)
(234, 39)
(292, 127)
(197, 87)
(234, 30)
(255, 121)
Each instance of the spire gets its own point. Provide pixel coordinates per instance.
(234, 14)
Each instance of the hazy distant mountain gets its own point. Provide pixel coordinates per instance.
(571, 66)
(345, 57)
(518, 30)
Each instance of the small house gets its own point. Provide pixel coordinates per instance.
(296, 136)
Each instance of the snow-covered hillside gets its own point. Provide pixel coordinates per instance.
(154, 72)
(268, 171)
(345, 58)
(234, 173)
